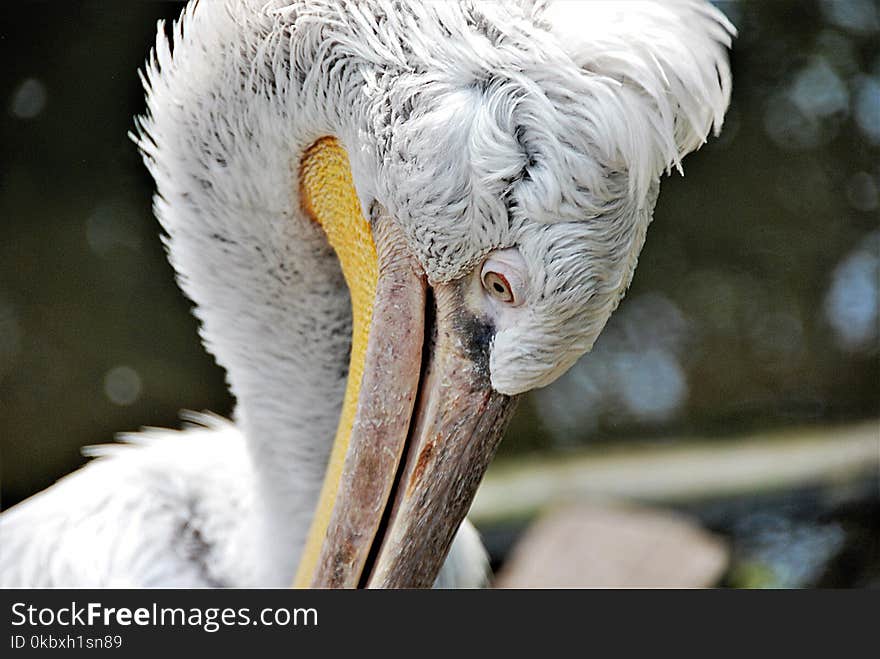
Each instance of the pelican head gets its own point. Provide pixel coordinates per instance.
(451, 196)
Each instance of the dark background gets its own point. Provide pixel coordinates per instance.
(754, 306)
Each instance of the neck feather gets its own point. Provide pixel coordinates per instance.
(269, 292)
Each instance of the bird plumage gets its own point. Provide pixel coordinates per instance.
(544, 126)
(162, 508)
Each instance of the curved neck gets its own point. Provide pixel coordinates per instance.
(269, 293)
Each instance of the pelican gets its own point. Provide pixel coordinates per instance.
(392, 219)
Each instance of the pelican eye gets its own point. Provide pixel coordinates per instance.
(497, 286)
(501, 279)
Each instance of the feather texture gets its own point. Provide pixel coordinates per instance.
(543, 126)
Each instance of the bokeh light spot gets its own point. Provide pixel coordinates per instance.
(867, 107)
(122, 385)
(652, 384)
(818, 91)
(852, 304)
(28, 99)
(858, 16)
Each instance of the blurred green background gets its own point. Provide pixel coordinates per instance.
(754, 305)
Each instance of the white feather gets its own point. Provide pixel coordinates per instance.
(479, 127)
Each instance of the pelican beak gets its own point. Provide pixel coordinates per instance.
(426, 427)
(457, 425)
(419, 422)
